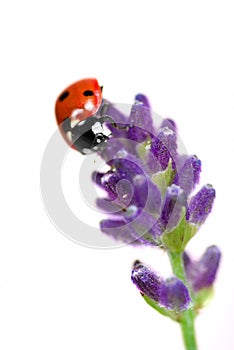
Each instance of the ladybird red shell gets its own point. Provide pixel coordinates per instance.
(78, 102)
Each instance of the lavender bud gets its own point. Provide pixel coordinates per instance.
(200, 205)
(164, 147)
(146, 280)
(189, 174)
(141, 123)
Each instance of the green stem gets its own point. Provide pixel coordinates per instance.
(187, 320)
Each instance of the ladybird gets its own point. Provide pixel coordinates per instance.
(80, 116)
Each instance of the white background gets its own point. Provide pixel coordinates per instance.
(55, 294)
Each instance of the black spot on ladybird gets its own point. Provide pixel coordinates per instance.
(63, 95)
(88, 93)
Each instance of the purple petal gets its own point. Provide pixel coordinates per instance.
(174, 295)
(137, 134)
(125, 193)
(201, 274)
(97, 178)
(135, 225)
(146, 280)
(207, 266)
(108, 207)
(119, 190)
(189, 174)
(127, 167)
(175, 200)
(118, 230)
(147, 195)
(153, 163)
(145, 226)
(119, 182)
(113, 146)
(201, 205)
(108, 182)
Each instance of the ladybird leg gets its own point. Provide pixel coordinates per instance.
(107, 118)
(122, 127)
(103, 108)
(104, 116)
(118, 126)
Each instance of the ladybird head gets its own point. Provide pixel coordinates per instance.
(79, 101)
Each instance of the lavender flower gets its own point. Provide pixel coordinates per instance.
(170, 294)
(149, 184)
(150, 201)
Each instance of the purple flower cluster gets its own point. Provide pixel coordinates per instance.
(148, 184)
(170, 294)
(151, 200)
